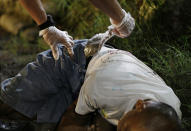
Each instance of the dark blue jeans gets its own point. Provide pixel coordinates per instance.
(45, 88)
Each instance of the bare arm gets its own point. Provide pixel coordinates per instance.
(51, 35)
(110, 8)
(35, 9)
(122, 22)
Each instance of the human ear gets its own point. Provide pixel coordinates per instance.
(139, 106)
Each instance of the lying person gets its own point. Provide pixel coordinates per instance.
(44, 89)
(126, 93)
(37, 97)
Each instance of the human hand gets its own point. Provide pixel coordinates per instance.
(54, 36)
(124, 28)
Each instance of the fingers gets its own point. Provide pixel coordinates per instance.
(67, 35)
(55, 51)
(69, 46)
(115, 32)
(70, 40)
(70, 37)
(70, 52)
(67, 41)
(53, 36)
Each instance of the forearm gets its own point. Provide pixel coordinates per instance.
(35, 9)
(111, 8)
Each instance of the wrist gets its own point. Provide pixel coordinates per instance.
(118, 21)
(48, 23)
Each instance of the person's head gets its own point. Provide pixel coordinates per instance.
(148, 115)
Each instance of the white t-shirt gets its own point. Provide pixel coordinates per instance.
(115, 80)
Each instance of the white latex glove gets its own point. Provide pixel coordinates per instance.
(124, 28)
(54, 36)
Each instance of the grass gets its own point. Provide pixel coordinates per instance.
(155, 41)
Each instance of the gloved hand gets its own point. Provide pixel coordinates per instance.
(54, 36)
(124, 28)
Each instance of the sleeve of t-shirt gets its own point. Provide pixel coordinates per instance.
(84, 104)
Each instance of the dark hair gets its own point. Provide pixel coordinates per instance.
(160, 117)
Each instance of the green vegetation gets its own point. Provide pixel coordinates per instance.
(161, 39)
